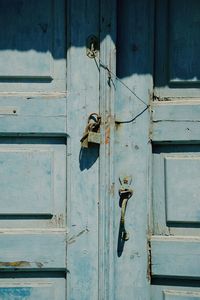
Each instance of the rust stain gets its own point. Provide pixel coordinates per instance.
(112, 189)
(107, 136)
(14, 264)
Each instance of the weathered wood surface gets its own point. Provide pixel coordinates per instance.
(134, 68)
(176, 256)
(176, 120)
(83, 165)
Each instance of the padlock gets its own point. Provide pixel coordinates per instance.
(84, 140)
(94, 137)
(92, 132)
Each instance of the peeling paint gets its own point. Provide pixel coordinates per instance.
(20, 264)
(112, 189)
(15, 264)
(57, 220)
(16, 292)
(107, 135)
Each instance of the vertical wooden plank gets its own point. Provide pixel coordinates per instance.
(107, 184)
(83, 190)
(134, 68)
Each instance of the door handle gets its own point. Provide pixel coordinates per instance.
(125, 193)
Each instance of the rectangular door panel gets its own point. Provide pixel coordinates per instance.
(33, 114)
(184, 45)
(176, 257)
(32, 250)
(32, 45)
(32, 177)
(182, 195)
(176, 185)
(177, 48)
(176, 120)
(29, 172)
(176, 211)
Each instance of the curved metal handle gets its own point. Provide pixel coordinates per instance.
(125, 193)
(125, 234)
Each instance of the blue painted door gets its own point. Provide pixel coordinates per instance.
(158, 146)
(44, 206)
(60, 212)
(32, 150)
(175, 241)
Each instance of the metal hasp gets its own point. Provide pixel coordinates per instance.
(125, 193)
(92, 46)
(92, 133)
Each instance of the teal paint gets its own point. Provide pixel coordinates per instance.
(132, 147)
(54, 196)
(83, 166)
(175, 147)
(33, 147)
(15, 293)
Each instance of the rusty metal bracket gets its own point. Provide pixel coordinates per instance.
(92, 46)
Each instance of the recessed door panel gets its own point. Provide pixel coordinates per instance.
(176, 184)
(182, 188)
(35, 177)
(32, 43)
(37, 250)
(177, 48)
(30, 173)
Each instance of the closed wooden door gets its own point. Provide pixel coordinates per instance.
(176, 179)
(48, 220)
(157, 144)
